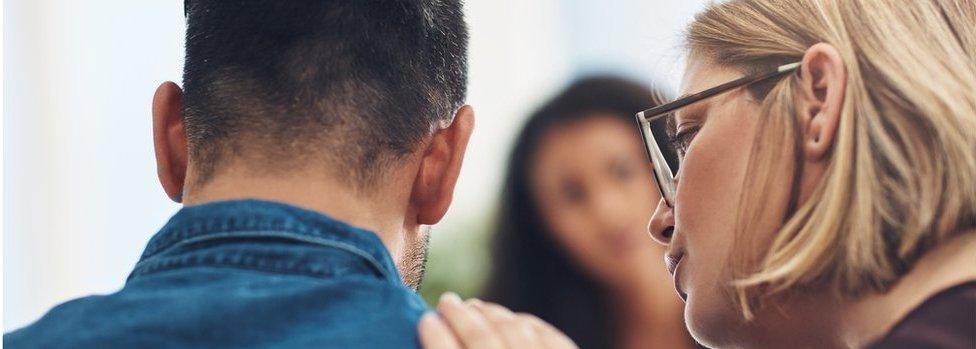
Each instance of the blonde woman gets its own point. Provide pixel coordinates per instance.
(827, 187)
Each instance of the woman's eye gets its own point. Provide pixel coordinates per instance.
(682, 140)
(622, 170)
(572, 193)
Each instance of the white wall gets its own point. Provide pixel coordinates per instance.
(80, 196)
(79, 187)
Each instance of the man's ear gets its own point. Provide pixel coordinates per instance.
(440, 166)
(823, 80)
(169, 139)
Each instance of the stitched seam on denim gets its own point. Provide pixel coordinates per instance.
(279, 234)
(174, 235)
(205, 225)
(241, 265)
(235, 267)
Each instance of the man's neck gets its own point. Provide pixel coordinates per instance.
(314, 192)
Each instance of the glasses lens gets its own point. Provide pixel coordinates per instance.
(655, 135)
(662, 128)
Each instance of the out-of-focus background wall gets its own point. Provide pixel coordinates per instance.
(79, 184)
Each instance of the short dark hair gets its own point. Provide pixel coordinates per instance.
(357, 82)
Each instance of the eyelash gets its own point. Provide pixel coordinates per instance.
(682, 140)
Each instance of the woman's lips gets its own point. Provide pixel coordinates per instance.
(673, 263)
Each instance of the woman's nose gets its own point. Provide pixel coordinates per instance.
(661, 226)
(608, 205)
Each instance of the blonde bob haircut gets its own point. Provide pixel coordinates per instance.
(901, 175)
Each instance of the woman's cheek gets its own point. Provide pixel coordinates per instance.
(709, 190)
(568, 227)
(705, 214)
(711, 178)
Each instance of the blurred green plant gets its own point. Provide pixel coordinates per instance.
(459, 259)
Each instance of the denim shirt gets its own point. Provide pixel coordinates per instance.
(239, 274)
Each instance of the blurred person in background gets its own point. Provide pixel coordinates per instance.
(571, 245)
(827, 188)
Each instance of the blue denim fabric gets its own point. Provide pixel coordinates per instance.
(244, 274)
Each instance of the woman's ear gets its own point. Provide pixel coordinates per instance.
(440, 166)
(823, 80)
(169, 139)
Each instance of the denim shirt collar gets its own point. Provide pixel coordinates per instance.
(265, 219)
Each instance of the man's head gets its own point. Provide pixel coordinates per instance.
(365, 95)
(357, 82)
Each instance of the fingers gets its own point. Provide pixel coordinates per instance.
(481, 325)
(550, 336)
(523, 330)
(435, 334)
(514, 331)
(471, 327)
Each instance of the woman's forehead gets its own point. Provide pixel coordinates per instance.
(701, 75)
(579, 143)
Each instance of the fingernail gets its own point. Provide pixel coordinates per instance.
(428, 317)
(450, 297)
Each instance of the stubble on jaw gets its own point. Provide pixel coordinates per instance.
(413, 261)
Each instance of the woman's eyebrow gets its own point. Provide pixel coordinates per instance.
(694, 109)
(690, 111)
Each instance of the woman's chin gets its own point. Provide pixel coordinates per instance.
(713, 325)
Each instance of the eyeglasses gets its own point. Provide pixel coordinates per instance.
(665, 172)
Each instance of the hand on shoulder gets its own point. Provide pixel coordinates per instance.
(478, 324)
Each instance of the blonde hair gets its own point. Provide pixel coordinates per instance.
(902, 171)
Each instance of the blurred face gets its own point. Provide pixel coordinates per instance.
(593, 186)
(718, 134)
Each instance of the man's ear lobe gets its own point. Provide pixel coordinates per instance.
(169, 139)
(823, 82)
(440, 166)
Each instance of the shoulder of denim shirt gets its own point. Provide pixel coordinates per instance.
(280, 311)
(213, 306)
